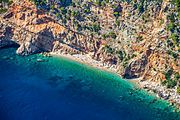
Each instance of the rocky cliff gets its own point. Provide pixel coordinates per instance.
(140, 37)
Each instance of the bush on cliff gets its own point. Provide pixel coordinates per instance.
(3, 10)
(171, 83)
(178, 90)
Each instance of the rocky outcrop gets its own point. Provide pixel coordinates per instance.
(35, 43)
(136, 68)
(6, 36)
(36, 32)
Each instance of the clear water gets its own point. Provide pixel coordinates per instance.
(61, 89)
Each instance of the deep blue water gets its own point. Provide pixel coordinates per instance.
(60, 89)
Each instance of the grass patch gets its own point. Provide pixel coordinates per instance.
(3, 10)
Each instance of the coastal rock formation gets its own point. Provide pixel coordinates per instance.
(136, 68)
(36, 32)
(36, 43)
(6, 36)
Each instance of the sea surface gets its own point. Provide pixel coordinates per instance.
(55, 88)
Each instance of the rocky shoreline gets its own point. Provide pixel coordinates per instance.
(161, 92)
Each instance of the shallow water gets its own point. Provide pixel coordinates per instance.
(61, 89)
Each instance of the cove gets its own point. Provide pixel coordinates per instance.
(60, 89)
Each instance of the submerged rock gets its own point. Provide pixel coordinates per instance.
(55, 78)
(40, 60)
(56, 81)
(70, 76)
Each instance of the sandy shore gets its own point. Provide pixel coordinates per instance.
(86, 59)
(160, 91)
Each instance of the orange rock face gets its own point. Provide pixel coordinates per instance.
(26, 12)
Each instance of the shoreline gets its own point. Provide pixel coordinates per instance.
(151, 87)
(87, 60)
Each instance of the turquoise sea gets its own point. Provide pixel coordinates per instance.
(61, 89)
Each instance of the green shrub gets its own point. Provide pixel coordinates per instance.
(104, 36)
(107, 1)
(161, 21)
(164, 82)
(96, 27)
(120, 55)
(168, 74)
(3, 10)
(113, 35)
(139, 38)
(117, 23)
(171, 83)
(175, 38)
(141, 8)
(172, 53)
(116, 14)
(109, 49)
(179, 14)
(171, 26)
(171, 17)
(177, 77)
(178, 90)
(63, 10)
(4, 1)
(125, 63)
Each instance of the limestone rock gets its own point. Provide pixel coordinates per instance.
(6, 34)
(136, 68)
(27, 48)
(36, 43)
